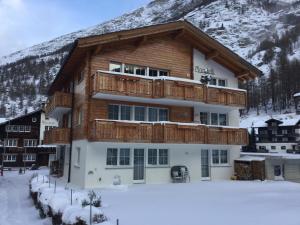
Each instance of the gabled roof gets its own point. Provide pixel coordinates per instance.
(242, 69)
(22, 116)
(273, 120)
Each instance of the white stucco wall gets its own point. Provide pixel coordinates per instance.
(219, 70)
(46, 122)
(93, 172)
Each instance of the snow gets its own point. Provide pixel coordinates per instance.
(279, 155)
(207, 202)
(289, 119)
(2, 120)
(297, 94)
(249, 158)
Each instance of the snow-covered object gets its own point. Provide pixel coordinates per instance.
(297, 94)
(249, 158)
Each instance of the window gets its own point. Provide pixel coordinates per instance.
(11, 142)
(163, 73)
(80, 117)
(124, 159)
(15, 128)
(115, 67)
(223, 119)
(27, 128)
(263, 132)
(163, 156)
(152, 156)
(262, 147)
(22, 128)
(30, 142)
(113, 112)
(29, 157)
(274, 131)
(78, 156)
(129, 69)
(153, 73)
(285, 139)
(34, 119)
(274, 139)
(214, 118)
(220, 157)
(221, 82)
(112, 157)
(284, 131)
(163, 114)
(139, 113)
(204, 117)
(152, 114)
(140, 70)
(213, 81)
(273, 147)
(9, 158)
(283, 147)
(125, 112)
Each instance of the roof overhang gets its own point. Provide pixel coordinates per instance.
(212, 49)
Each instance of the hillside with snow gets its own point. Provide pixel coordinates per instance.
(241, 25)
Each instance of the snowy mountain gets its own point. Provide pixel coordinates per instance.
(241, 25)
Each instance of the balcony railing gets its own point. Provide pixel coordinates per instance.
(120, 131)
(60, 102)
(165, 87)
(57, 136)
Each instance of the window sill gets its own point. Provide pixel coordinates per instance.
(158, 166)
(118, 167)
(220, 165)
(77, 166)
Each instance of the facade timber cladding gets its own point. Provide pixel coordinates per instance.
(138, 106)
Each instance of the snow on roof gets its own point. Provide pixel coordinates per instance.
(279, 155)
(297, 94)
(2, 120)
(250, 158)
(289, 119)
(46, 146)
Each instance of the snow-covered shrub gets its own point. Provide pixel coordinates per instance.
(95, 198)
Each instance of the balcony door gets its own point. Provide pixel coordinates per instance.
(138, 165)
(205, 169)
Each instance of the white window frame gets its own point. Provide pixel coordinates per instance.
(209, 118)
(78, 155)
(9, 158)
(11, 142)
(27, 128)
(158, 164)
(219, 157)
(118, 158)
(217, 82)
(28, 157)
(30, 142)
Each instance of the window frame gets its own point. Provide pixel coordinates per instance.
(29, 143)
(219, 157)
(5, 158)
(158, 157)
(26, 158)
(11, 142)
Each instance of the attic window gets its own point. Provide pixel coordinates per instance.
(34, 119)
(115, 67)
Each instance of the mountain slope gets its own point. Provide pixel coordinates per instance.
(240, 25)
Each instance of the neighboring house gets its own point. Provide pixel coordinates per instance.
(297, 102)
(22, 140)
(279, 135)
(131, 106)
(276, 166)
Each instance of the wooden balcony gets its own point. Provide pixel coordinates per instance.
(118, 131)
(106, 84)
(58, 104)
(57, 136)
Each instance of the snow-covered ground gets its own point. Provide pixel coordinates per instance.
(16, 208)
(209, 203)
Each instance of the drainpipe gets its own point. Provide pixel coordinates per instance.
(71, 130)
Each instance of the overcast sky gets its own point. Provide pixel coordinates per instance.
(24, 23)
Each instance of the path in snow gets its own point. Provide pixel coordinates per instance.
(16, 207)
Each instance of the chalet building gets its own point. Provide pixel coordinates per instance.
(21, 140)
(279, 136)
(297, 102)
(131, 106)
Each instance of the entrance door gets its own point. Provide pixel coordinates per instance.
(138, 165)
(205, 173)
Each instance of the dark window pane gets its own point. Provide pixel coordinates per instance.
(112, 156)
(163, 73)
(215, 156)
(113, 112)
(152, 113)
(213, 81)
(224, 156)
(152, 156)
(163, 156)
(140, 71)
(124, 156)
(223, 119)
(129, 69)
(163, 115)
(222, 83)
(115, 67)
(153, 73)
(139, 113)
(214, 118)
(125, 112)
(203, 118)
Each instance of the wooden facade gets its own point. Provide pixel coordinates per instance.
(115, 131)
(58, 136)
(123, 85)
(59, 100)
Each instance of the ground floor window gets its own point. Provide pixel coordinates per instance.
(29, 157)
(9, 158)
(158, 156)
(283, 147)
(115, 157)
(220, 157)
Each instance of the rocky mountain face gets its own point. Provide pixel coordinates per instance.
(264, 32)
